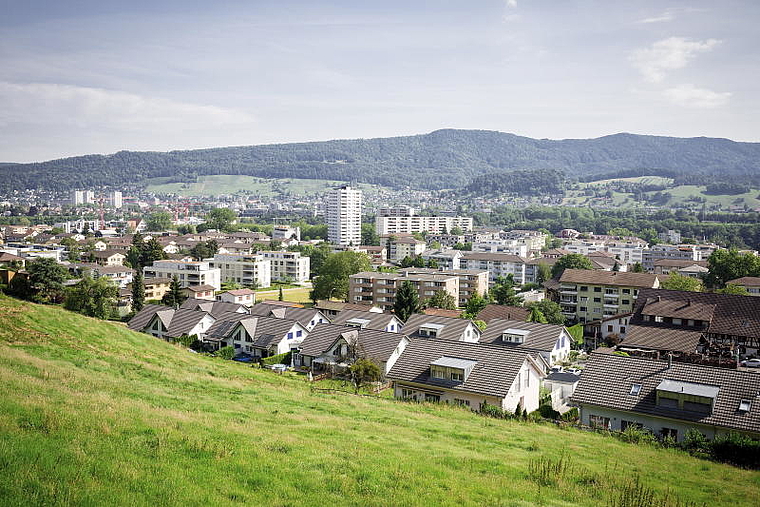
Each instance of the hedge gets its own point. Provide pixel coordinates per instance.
(278, 359)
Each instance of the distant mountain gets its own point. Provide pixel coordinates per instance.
(442, 159)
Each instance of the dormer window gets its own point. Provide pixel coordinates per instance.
(451, 368)
(688, 396)
(745, 405)
(512, 335)
(357, 322)
(430, 330)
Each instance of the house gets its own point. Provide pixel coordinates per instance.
(497, 265)
(668, 398)
(187, 272)
(750, 283)
(561, 387)
(552, 340)
(246, 269)
(307, 317)
(369, 320)
(331, 346)
(447, 258)
(215, 308)
(8, 259)
(109, 258)
(401, 246)
(587, 295)
(443, 328)
(256, 336)
(468, 374)
(332, 308)
(156, 288)
(494, 311)
(119, 275)
(245, 297)
(164, 322)
(288, 266)
(615, 326)
(684, 267)
(380, 288)
(199, 292)
(471, 281)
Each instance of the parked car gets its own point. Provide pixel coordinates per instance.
(574, 371)
(751, 363)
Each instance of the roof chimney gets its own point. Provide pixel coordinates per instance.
(658, 299)
(670, 360)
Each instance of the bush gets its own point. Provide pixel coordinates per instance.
(637, 435)
(493, 411)
(186, 341)
(695, 442)
(737, 449)
(571, 415)
(278, 359)
(227, 352)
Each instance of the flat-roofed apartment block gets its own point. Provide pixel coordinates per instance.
(380, 289)
(471, 281)
(402, 245)
(683, 252)
(245, 269)
(587, 295)
(497, 264)
(187, 272)
(417, 223)
(288, 265)
(343, 210)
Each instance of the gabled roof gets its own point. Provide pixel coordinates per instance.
(303, 316)
(662, 338)
(750, 281)
(141, 318)
(199, 288)
(450, 328)
(607, 379)
(494, 371)
(266, 331)
(376, 320)
(240, 292)
(540, 336)
(183, 321)
(224, 324)
(215, 308)
(440, 312)
(493, 311)
(374, 344)
(678, 308)
(620, 278)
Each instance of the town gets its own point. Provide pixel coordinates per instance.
(608, 331)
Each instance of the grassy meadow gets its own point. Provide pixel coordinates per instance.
(94, 414)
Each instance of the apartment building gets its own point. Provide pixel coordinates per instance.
(448, 259)
(288, 265)
(343, 210)
(401, 246)
(509, 246)
(396, 211)
(497, 264)
(417, 223)
(445, 240)
(115, 199)
(187, 272)
(533, 240)
(380, 289)
(676, 252)
(587, 295)
(245, 269)
(471, 281)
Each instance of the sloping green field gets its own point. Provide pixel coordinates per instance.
(94, 414)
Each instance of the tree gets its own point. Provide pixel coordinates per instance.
(732, 288)
(150, 252)
(94, 298)
(204, 249)
(138, 291)
(571, 261)
(503, 292)
(441, 299)
(727, 265)
(475, 304)
(407, 262)
(543, 273)
(280, 296)
(362, 372)
(221, 219)
(369, 236)
(677, 281)
(536, 315)
(616, 267)
(432, 264)
(159, 221)
(456, 231)
(407, 301)
(174, 297)
(135, 251)
(45, 282)
(332, 281)
(637, 268)
(550, 310)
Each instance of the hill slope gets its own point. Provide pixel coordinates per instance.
(441, 159)
(92, 413)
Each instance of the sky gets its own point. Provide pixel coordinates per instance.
(82, 76)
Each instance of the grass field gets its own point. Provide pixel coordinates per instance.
(94, 414)
(230, 184)
(299, 295)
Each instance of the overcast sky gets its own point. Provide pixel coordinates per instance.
(80, 77)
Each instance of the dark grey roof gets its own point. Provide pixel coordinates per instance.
(303, 316)
(569, 378)
(493, 311)
(141, 318)
(664, 338)
(215, 308)
(377, 321)
(183, 321)
(265, 331)
(224, 324)
(541, 337)
(493, 374)
(371, 343)
(451, 329)
(607, 379)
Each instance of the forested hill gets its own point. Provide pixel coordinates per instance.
(441, 159)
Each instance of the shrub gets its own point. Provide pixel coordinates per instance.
(737, 449)
(695, 442)
(226, 352)
(493, 411)
(637, 435)
(571, 415)
(278, 359)
(185, 340)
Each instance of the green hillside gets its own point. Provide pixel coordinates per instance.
(94, 414)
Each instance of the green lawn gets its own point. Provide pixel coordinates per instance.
(94, 414)
(230, 184)
(299, 295)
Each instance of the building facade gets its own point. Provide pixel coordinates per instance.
(344, 216)
(187, 272)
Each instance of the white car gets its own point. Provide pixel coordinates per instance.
(751, 363)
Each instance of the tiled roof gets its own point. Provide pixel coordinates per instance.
(563, 377)
(493, 311)
(620, 278)
(303, 316)
(440, 312)
(452, 327)
(215, 308)
(496, 257)
(376, 345)
(200, 288)
(377, 321)
(492, 375)
(224, 324)
(607, 379)
(678, 308)
(265, 331)
(542, 337)
(183, 321)
(662, 338)
(240, 292)
(141, 318)
(733, 315)
(751, 281)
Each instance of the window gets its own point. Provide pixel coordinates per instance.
(438, 373)
(462, 403)
(745, 405)
(626, 291)
(597, 289)
(298, 333)
(584, 289)
(583, 309)
(625, 424)
(408, 394)
(597, 300)
(527, 379)
(609, 329)
(658, 318)
(622, 329)
(290, 335)
(677, 322)
(635, 389)
(597, 421)
(457, 376)
(669, 432)
(519, 381)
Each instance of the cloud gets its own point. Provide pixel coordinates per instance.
(665, 16)
(62, 105)
(668, 54)
(688, 95)
(512, 3)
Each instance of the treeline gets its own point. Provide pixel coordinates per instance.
(441, 159)
(532, 182)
